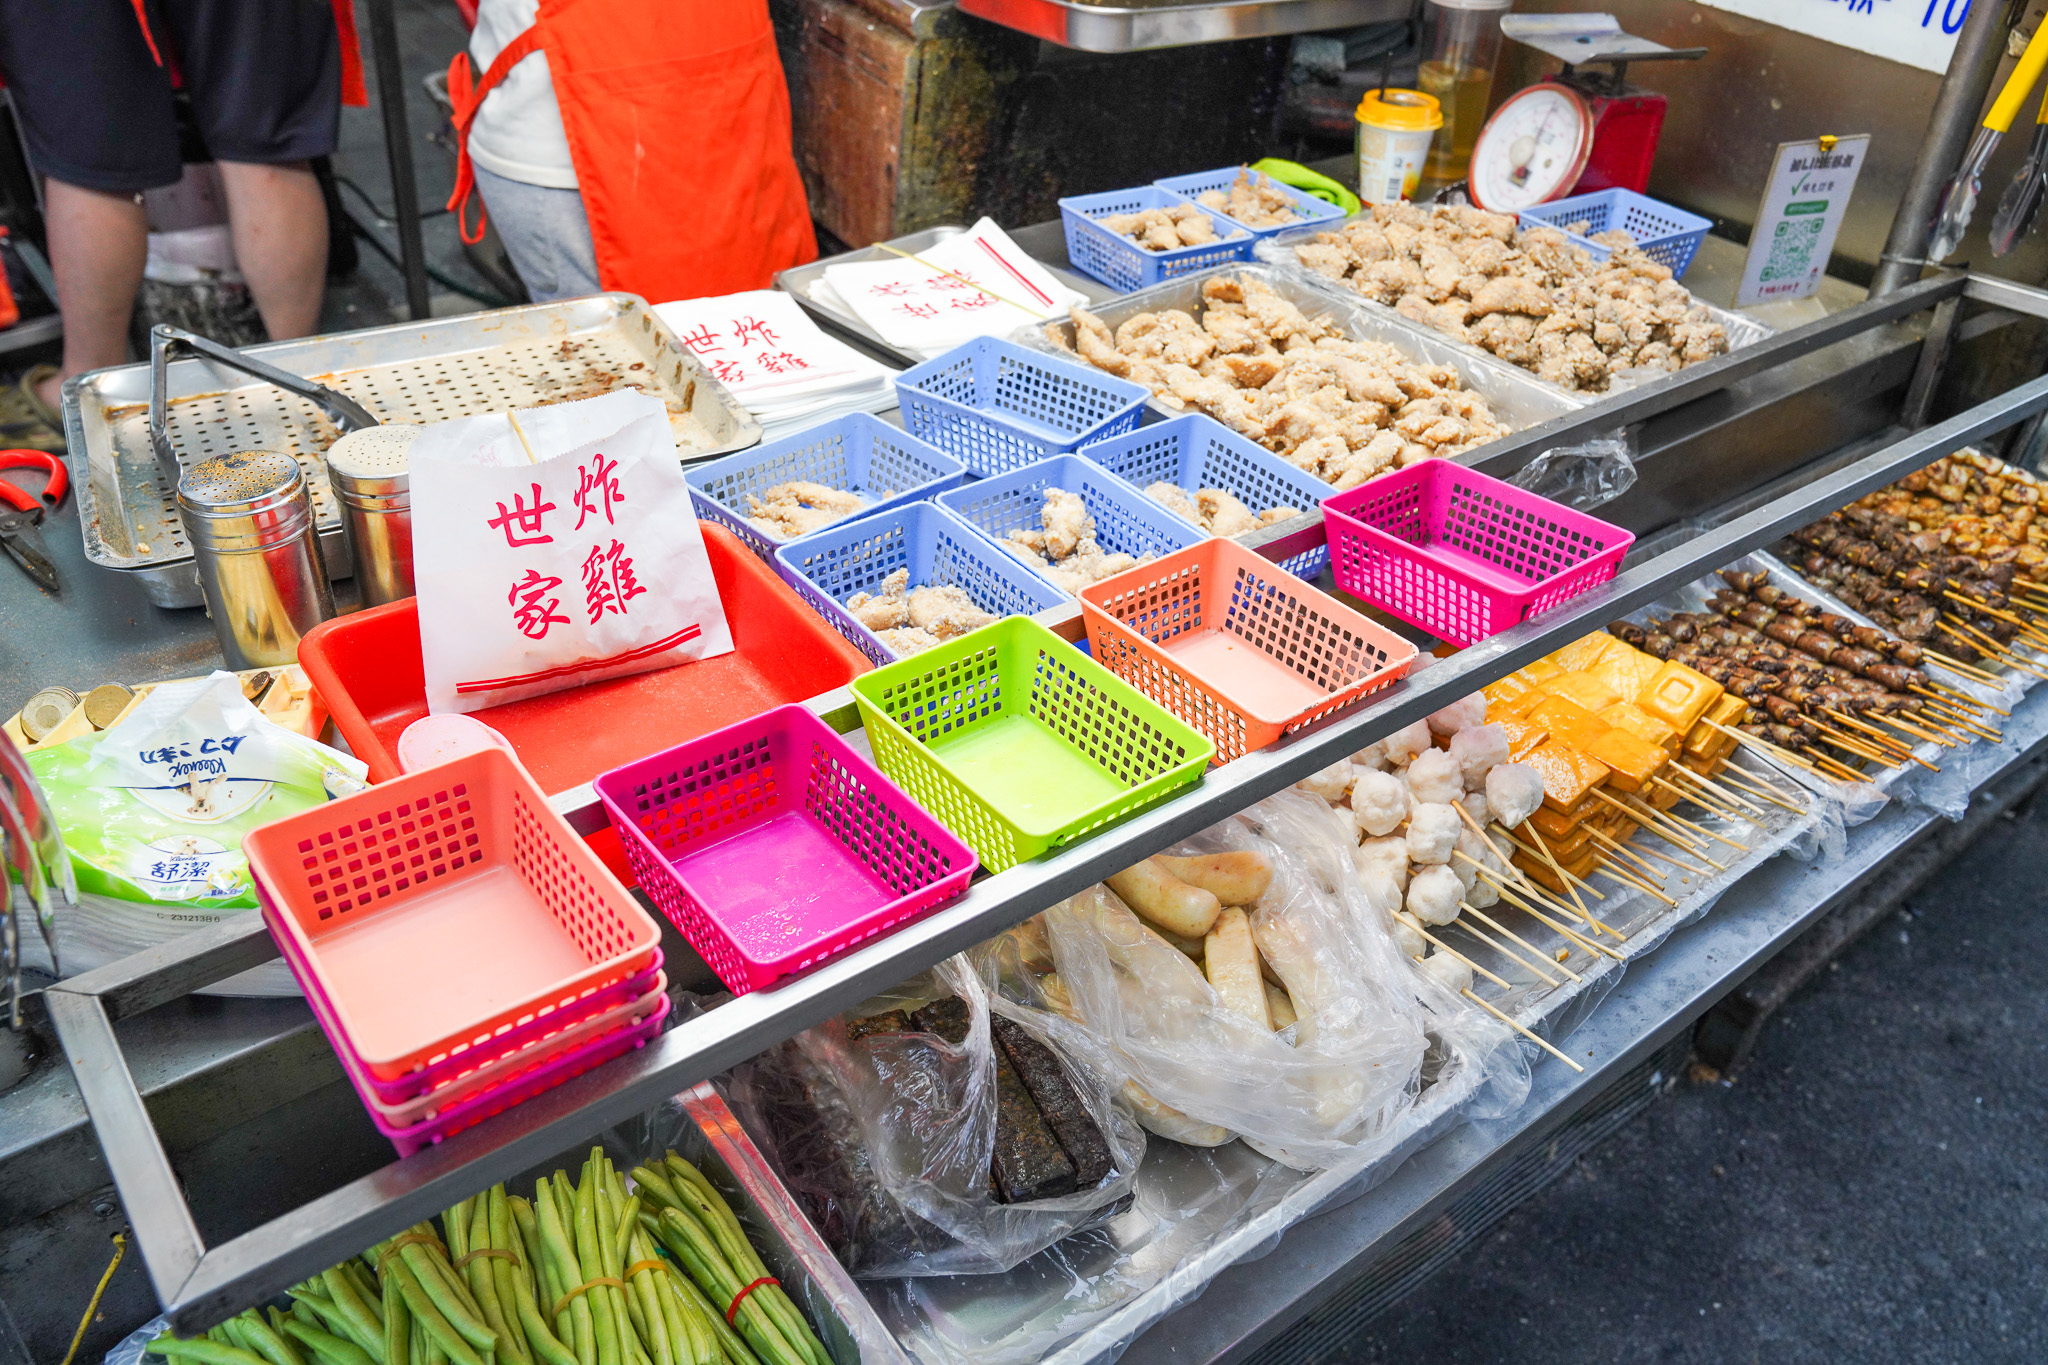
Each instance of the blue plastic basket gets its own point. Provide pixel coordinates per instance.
(997, 406)
(1670, 236)
(857, 452)
(1121, 263)
(1198, 452)
(1126, 521)
(937, 548)
(1307, 208)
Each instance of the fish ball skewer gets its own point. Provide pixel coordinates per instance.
(1379, 803)
(1436, 777)
(1433, 832)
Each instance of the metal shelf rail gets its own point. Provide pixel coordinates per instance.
(199, 1285)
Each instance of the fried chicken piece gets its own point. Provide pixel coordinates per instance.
(907, 641)
(1221, 514)
(799, 507)
(1066, 523)
(945, 611)
(1325, 258)
(884, 609)
(1174, 499)
(1512, 294)
(1093, 340)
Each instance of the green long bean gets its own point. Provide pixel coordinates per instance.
(329, 1348)
(203, 1349)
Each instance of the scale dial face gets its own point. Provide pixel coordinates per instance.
(1532, 150)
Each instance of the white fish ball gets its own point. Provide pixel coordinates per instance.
(1405, 743)
(1478, 748)
(1454, 975)
(1388, 856)
(1433, 833)
(1435, 776)
(1379, 802)
(1408, 935)
(1433, 895)
(1514, 791)
(1331, 783)
(1464, 712)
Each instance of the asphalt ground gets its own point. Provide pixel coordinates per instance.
(1873, 1187)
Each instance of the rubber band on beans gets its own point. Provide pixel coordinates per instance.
(741, 1297)
(562, 1305)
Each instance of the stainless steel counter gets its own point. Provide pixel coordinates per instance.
(1851, 381)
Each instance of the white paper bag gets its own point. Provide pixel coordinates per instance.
(580, 562)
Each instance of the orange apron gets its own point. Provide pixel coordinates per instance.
(678, 125)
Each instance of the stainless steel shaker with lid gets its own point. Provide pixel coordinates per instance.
(370, 475)
(250, 523)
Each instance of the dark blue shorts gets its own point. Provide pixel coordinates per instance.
(264, 77)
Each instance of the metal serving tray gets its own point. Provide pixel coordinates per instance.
(1278, 251)
(1136, 28)
(1519, 399)
(798, 280)
(408, 372)
(791, 1247)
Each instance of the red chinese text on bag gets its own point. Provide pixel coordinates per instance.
(566, 558)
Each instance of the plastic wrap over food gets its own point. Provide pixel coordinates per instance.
(926, 1135)
(1338, 1077)
(1582, 476)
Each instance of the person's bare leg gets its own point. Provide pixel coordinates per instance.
(98, 242)
(279, 223)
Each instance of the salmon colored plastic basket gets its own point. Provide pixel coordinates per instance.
(1235, 645)
(1462, 554)
(367, 666)
(774, 846)
(1021, 743)
(432, 910)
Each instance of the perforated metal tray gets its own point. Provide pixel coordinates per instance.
(409, 372)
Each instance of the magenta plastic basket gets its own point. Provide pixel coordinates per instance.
(773, 846)
(1462, 554)
(549, 1070)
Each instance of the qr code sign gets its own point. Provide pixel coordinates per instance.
(1792, 249)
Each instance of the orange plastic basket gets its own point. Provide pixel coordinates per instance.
(1235, 645)
(432, 910)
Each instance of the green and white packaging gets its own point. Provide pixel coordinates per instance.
(153, 812)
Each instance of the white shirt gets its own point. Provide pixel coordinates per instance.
(518, 131)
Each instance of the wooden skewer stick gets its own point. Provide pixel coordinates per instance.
(1725, 792)
(1670, 835)
(1955, 697)
(1508, 894)
(1531, 889)
(1445, 947)
(1530, 967)
(1992, 648)
(908, 256)
(1604, 868)
(1963, 722)
(1487, 839)
(1551, 858)
(1680, 822)
(1755, 788)
(2025, 628)
(1534, 854)
(1958, 666)
(1841, 772)
(1830, 735)
(1637, 858)
(1761, 745)
(1526, 1032)
(1890, 745)
(1719, 805)
(1513, 937)
(1927, 728)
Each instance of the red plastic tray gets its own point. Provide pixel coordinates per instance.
(367, 667)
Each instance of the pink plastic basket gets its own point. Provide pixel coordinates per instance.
(773, 846)
(490, 1089)
(1235, 645)
(431, 911)
(1462, 554)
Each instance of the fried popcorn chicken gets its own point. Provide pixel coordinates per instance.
(909, 620)
(1174, 499)
(1252, 200)
(1341, 409)
(1530, 297)
(1166, 229)
(799, 507)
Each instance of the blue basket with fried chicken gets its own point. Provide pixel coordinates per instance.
(1070, 520)
(1253, 199)
(1216, 480)
(1131, 238)
(999, 406)
(845, 467)
(908, 579)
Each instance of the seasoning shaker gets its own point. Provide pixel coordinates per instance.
(250, 522)
(369, 471)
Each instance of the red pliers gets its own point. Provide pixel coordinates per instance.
(18, 534)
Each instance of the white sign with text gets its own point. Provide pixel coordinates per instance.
(1802, 210)
(1918, 33)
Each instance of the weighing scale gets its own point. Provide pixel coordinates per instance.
(1577, 131)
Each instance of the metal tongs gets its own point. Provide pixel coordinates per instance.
(2022, 198)
(165, 340)
(1960, 203)
(36, 861)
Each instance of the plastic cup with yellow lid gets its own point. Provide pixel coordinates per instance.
(1394, 131)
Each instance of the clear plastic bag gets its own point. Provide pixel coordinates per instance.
(924, 1113)
(1581, 476)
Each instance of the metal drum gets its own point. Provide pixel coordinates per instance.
(251, 527)
(369, 472)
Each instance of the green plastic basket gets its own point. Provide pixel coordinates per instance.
(1019, 743)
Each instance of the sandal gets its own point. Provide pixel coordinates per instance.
(25, 419)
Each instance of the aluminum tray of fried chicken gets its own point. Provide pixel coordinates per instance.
(420, 372)
(1512, 397)
(1587, 373)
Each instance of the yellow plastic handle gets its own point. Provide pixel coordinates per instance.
(2021, 83)
(2042, 117)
